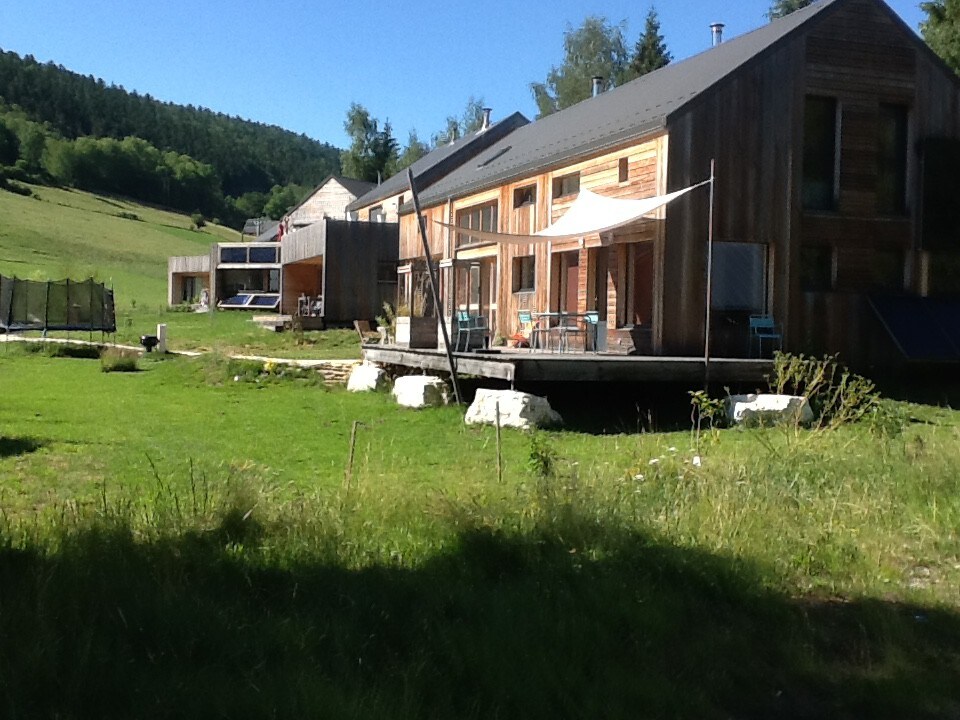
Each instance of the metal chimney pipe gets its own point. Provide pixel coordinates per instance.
(485, 125)
(597, 81)
(716, 32)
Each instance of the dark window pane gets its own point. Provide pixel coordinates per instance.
(233, 255)
(816, 268)
(819, 153)
(524, 196)
(263, 254)
(892, 160)
(523, 273)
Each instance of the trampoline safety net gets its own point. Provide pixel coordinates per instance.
(55, 305)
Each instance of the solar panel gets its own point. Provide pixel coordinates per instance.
(235, 301)
(922, 328)
(265, 300)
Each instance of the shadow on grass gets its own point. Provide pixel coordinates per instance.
(10, 447)
(505, 627)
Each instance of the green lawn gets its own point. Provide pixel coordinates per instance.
(187, 545)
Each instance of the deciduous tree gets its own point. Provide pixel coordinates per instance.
(941, 30)
(372, 152)
(596, 48)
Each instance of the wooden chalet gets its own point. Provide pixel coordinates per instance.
(826, 127)
(328, 200)
(313, 264)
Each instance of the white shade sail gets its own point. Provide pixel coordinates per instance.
(589, 214)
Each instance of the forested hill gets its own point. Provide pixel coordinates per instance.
(247, 156)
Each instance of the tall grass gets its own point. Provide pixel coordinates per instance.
(548, 601)
(179, 544)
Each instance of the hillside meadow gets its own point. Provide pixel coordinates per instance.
(190, 541)
(60, 233)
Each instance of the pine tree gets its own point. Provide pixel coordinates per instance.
(651, 51)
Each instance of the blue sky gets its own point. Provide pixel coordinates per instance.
(299, 64)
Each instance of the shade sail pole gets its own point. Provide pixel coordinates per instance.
(438, 310)
(706, 333)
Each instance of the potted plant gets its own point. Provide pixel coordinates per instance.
(415, 327)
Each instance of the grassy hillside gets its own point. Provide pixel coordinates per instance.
(71, 234)
(62, 233)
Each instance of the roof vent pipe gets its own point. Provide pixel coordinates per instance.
(597, 84)
(716, 31)
(485, 125)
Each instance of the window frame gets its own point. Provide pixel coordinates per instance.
(560, 185)
(518, 273)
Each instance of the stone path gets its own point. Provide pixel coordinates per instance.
(335, 372)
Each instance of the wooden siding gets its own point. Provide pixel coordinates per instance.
(307, 242)
(189, 264)
(330, 200)
(389, 205)
(752, 123)
(747, 125)
(600, 174)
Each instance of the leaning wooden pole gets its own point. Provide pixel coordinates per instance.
(706, 332)
(434, 285)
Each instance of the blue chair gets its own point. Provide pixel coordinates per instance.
(530, 327)
(764, 329)
(470, 326)
(591, 323)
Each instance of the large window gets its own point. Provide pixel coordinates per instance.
(524, 271)
(820, 153)
(892, 160)
(481, 217)
(739, 276)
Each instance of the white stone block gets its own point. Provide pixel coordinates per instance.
(768, 409)
(419, 391)
(367, 378)
(517, 409)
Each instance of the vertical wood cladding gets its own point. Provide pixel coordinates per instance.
(753, 123)
(600, 174)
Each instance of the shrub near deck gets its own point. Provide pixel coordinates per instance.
(183, 544)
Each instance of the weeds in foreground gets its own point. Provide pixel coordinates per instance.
(117, 360)
(836, 395)
(220, 602)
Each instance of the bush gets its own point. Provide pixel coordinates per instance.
(836, 395)
(198, 220)
(116, 360)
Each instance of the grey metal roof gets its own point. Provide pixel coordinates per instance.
(441, 160)
(254, 226)
(269, 231)
(615, 117)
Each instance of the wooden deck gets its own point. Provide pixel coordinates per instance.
(519, 366)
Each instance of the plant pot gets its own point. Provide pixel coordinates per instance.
(416, 332)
